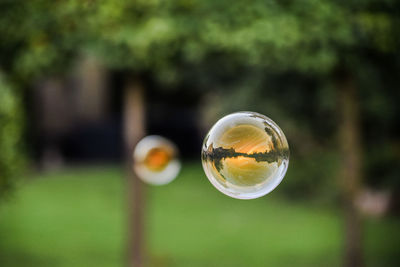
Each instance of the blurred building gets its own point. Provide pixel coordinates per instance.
(78, 118)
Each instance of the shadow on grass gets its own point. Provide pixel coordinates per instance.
(19, 258)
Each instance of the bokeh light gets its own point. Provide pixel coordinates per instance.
(156, 160)
(245, 155)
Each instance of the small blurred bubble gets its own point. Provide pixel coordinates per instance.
(155, 160)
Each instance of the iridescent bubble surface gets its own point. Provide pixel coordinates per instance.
(245, 155)
(156, 160)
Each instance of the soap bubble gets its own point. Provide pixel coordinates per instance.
(245, 155)
(156, 160)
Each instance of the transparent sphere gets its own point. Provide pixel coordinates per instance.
(245, 155)
(155, 160)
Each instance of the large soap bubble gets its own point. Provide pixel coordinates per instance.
(156, 160)
(245, 155)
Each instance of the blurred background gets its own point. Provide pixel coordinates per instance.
(81, 81)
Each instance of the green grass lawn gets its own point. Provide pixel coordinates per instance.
(77, 217)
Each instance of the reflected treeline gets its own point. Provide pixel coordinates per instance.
(216, 155)
(276, 154)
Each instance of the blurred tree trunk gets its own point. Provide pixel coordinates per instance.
(134, 130)
(350, 170)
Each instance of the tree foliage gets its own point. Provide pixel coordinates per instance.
(10, 134)
(298, 35)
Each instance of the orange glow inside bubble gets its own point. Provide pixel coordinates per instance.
(157, 159)
(246, 139)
